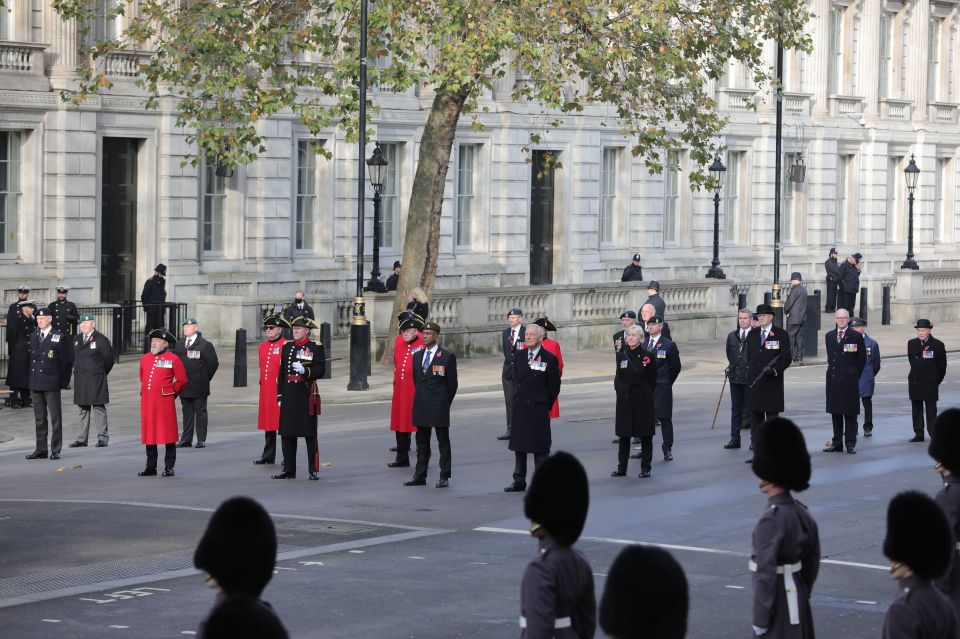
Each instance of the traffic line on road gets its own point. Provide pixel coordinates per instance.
(51, 620)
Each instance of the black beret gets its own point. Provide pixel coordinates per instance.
(243, 617)
(918, 535)
(780, 454)
(515, 311)
(945, 442)
(646, 596)
(558, 497)
(239, 547)
(857, 321)
(629, 314)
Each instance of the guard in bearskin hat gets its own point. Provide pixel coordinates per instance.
(786, 543)
(407, 344)
(646, 596)
(945, 450)
(920, 544)
(556, 596)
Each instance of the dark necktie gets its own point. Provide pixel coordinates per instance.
(840, 336)
(427, 358)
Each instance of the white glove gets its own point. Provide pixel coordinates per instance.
(298, 367)
(759, 632)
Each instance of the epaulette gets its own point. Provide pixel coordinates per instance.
(317, 342)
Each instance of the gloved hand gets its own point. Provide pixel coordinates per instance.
(772, 372)
(726, 372)
(298, 367)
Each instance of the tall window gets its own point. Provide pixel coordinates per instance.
(939, 200)
(840, 197)
(6, 21)
(466, 193)
(731, 197)
(608, 193)
(214, 200)
(835, 51)
(104, 20)
(306, 194)
(887, 25)
(893, 203)
(934, 61)
(390, 200)
(10, 190)
(671, 196)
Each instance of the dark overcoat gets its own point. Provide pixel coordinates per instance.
(51, 360)
(201, 364)
(737, 357)
(867, 383)
(658, 305)
(294, 389)
(558, 584)
(65, 316)
(619, 341)
(293, 311)
(845, 362)
(928, 367)
(19, 328)
(766, 395)
(92, 363)
(435, 389)
(849, 277)
(537, 386)
(509, 349)
(832, 267)
(920, 610)
(632, 273)
(949, 500)
(666, 357)
(635, 379)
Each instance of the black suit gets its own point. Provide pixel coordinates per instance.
(766, 362)
(434, 391)
(537, 387)
(152, 297)
(506, 376)
(19, 328)
(928, 367)
(201, 363)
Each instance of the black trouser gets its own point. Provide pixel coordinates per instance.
(918, 411)
(21, 395)
(269, 446)
(403, 445)
(508, 390)
(423, 451)
(194, 415)
(795, 331)
(169, 456)
(738, 410)
(646, 453)
(831, 304)
(666, 433)
(757, 417)
(848, 301)
(867, 413)
(520, 463)
(844, 429)
(289, 447)
(42, 402)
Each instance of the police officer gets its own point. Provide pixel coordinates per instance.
(92, 361)
(199, 358)
(653, 297)
(920, 545)
(849, 282)
(646, 596)
(633, 272)
(302, 363)
(869, 373)
(768, 356)
(666, 356)
(928, 366)
(268, 413)
(394, 278)
(627, 319)
(795, 309)
(846, 359)
(945, 451)
(557, 597)
(511, 340)
(65, 313)
(20, 324)
(736, 372)
(786, 542)
(153, 297)
(51, 361)
(832, 267)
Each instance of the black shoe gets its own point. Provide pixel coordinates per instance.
(54, 455)
(201, 444)
(415, 482)
(398, 464)
(616, 440)
(834, 448)
(644, 474)
(443, 483)
(147, 472)
(167, 472)
(635, 456)
(667, 455)
(37, 455)
(618, 473)
(636, 441)
(393, 449)
(314, 476)
(77, 445)
(916, 438)
(733, 443)
(101, 444)
(851, 450)
(184, 445)
(284, 475)
(868, 431)
(261, 461)
(516, 487)
(504, 437)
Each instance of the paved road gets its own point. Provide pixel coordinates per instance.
(94, 551)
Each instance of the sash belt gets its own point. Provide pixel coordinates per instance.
(789, 586)
(562, 622)
(296, 378)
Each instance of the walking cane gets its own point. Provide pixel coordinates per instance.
(720, 399)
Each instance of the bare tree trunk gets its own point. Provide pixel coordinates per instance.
(421, 244)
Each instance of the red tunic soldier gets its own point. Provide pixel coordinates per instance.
(162, 377)
(408, 342)
(268, 417)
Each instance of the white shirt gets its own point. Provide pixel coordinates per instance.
(428, 356)
(191, 340)
(743, 333)
(43, 335)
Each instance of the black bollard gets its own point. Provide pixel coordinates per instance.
(863, 303)
(359, 356)
(327, 342)
(885, 311)
(117, 333)
(811, 325)
(240, 359)
(741, 301)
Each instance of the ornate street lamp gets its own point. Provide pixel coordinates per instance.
(912, 173)
(718, 171)
(377, 165)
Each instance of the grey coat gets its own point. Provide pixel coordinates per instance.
(558, 583)
(949, 500)
(92, 363)
(920, 611)
(795, 307)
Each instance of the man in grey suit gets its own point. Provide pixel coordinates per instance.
(795, 309)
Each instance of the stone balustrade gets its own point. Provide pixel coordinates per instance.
(845, 104)
(943, 113)
(894, 109)
(124, 64)
(23, 60)
(737, 99)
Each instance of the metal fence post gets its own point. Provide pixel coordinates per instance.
(240, 359)
(327, 342)
(885, 311)
(863, 303)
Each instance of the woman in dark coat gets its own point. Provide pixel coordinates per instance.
(636, 378)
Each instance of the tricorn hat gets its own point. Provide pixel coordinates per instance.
(780, 454)
(945, 441)
(923, 323)
(160, 268)
(275, 320)
(305, 321)
(559, 497)
(239, 547)
(409, 319)
(646, 595)
(857, 321)
(162, 333)
(545, 323)
(918, 534)
(765, 309)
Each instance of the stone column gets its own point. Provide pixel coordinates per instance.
(820, 61)
(869, 69)
(63, 54)
(918, 29)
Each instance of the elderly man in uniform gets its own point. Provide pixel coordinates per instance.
(666, 356)
(647, 311)
(302, 363)
(846, 358)
(512, 340)
(795, 309)
(51, 361)
(945, 451)
(92, 361)
(768, 356)
(557, 597)
(162, 378)
(627, 319)
(786, 542)
(633, 272)
(736, 372)
(868, 375)
(927, 357)
(435, 386)
(268, 413)
(408, 343)
(537, 378)
(152, 297)
(199, 358)
(20, 324)
(653, 297)
(920, 545)
(65, 313)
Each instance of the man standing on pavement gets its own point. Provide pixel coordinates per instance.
(268, 413)
(736, 372)
(832, 267)
(162, 377)
(869, 373)
(647, 311)
(768, 356)
(92, 361)
(928, 366)
(633, 272)
(795, 309)
(849, 282)
(435, 381)
(667, 357)
(512, 340)
(408, 343)
(199, 359)
(537, 376)
(153, 297)
(627, 319)
(65, 313)
(846, 359)
(299, 308)
(20, 324)
(51, 361)
(302, 363)
(653, 297)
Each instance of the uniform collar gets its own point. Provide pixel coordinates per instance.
(276, 339)
(785, 497)
(303, 342)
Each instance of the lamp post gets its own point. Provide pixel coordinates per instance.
(775, 299)
(377, 164)
(912, 173)
(718, 171)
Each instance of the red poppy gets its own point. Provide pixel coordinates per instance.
(646, 360)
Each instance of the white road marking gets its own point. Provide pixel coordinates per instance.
(282, 568)
(414, 557)
(869, 603)
(51, 620)
(188, 632)
(119, 627)
(478, 563)
(311, 563)
(357, 552)
(734, 587)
